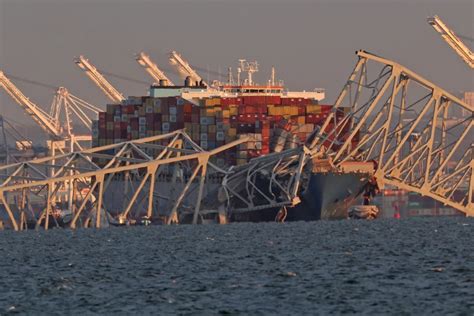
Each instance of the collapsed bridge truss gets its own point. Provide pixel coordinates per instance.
(420, 136)
(82, 179)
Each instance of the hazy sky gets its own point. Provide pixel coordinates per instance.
(311, 43)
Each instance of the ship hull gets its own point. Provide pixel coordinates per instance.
(328, 196)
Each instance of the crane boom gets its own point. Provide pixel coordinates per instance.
(183, 67)
(449, 37)
(43, 119)
(92, 72)
(152, 69)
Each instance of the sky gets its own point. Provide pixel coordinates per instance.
(312, 44)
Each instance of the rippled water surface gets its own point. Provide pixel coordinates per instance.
(414, 266)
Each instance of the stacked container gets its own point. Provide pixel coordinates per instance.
(272, 122)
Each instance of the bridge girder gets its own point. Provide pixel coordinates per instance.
(420, 136)
(85, 176)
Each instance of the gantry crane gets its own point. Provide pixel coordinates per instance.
(92, 72)
(184, 69)
(152, 69)
(64, 105)
(449, 37)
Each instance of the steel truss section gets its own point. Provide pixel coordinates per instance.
(420, 136)
(80, 180)
(266, 182)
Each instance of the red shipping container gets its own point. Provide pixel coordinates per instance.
(287, 101)
(157, 126)
(165, 110)
(188, 108)
(273, 99)
(229, 101)
(109, 134)
(150, 118)
(326, 108)
(172, 101)
(134, 123)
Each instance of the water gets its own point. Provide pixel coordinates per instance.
(413, 266)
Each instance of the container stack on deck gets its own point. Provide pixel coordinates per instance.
(214, 122)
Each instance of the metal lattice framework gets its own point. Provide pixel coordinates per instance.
(82, 178)
(58, 124)
(420, 136)
(266, 182)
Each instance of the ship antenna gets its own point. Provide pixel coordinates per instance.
(273, 75)
(230, 79)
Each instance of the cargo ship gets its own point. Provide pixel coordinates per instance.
(217, 115)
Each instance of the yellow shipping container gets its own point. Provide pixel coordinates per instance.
(150, 101)
(234, 111)
(226, 114)
(313, 109)
(272, 110)
(157, 108)
(232, 131)
(293, 110)
(301, 120)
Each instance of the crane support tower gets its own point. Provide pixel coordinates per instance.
(58, 124)
(449, 37)
(152, 69)
(96, 77)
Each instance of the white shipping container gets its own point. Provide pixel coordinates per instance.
(172, 118)
(204, 144)
(203, 136)
(142, 121)
(165, 126)
(220, 136)
(134, 100)
(173, 110)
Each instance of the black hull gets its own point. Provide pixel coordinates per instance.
(328, 197)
